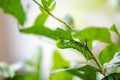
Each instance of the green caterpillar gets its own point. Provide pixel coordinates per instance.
(75, 45)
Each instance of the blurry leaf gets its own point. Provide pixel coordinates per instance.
(41, 19)
(15, 67)
(33, 67)
(75, 45)
(114, 76)
(39, 30)
(14, 8)
(17, 77)
(9, 71)
(81, 69)
(62, 34)
(114, 29)
(94, 33)
(5, 70)
(59, 62)
(108, 53)
(69, 20)
(114, 65)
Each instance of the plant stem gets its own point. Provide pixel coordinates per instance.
(58, 19)
(67, 25)
(98, 64)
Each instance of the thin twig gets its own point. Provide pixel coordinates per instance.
(98, 64)
(58, 19)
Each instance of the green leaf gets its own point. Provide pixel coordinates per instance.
(14, 8)
(89, 44)
(114, 29)
(114, 76)
(59, 62)
(108, 53)
(92, 75)
(41, 19)
(43, 10)
(44, 31)
(114, 65)
(45, 5)
(63, 34)
(58, 58)
(75, 45)
(79, 67)
(52, 7)
(39, 30)
(48, 5)
(94, 33)
(80, 70)
(50, 2)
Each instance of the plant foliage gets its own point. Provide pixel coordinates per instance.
(107, 63)
(14, 7)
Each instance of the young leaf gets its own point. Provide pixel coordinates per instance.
(114, 76)
(107, 53)
(14, 8)
(59, 62)
(94, 33)
(80, 70)
(41, 19)
(39, 30)
(114, 65)
(52, 7)
(48, 5)
(63, 34)
(45, 5)
(75, 45)
(114, 29)
(50, 2)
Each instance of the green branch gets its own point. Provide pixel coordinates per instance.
(66, 24)
(98, 64)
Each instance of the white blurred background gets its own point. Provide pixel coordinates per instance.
(16, 47)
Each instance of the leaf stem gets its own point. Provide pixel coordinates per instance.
(98, 64)
(58, 19)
